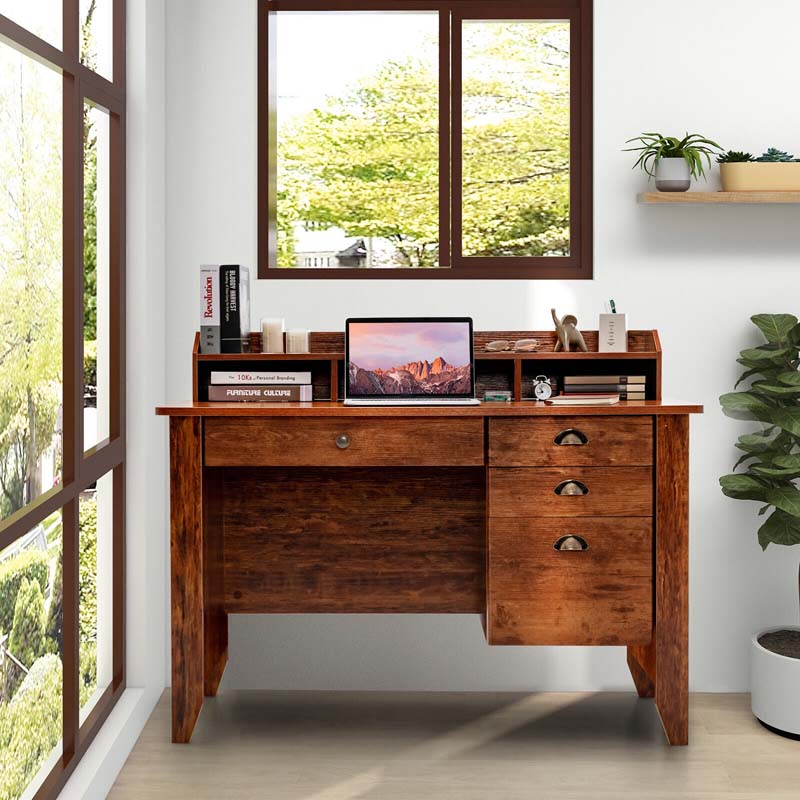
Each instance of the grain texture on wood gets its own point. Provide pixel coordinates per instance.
(642, 665)
(610, 441)
(541, 596)
(612, 491)
(748, 198)
(402, 540)
(484, 410)
(186, 522)
(672, 576)
(215, 620)
(355, 442)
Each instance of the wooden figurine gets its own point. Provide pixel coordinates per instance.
(568, 333)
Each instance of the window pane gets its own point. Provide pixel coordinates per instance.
(30, 279)
(515, 141)
(96, 250)
(95, 542)
(96, 35)
(358, 139)
(41, 17)
(31, 647)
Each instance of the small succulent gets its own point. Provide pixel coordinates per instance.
(735, 157)
(775, 155)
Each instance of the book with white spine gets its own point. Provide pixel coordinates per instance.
(270, 378)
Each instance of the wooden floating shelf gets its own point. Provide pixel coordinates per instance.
(746, 198)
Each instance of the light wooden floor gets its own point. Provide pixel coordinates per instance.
(346, 745)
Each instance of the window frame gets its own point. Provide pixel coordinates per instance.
(578, 265)
(81, 468)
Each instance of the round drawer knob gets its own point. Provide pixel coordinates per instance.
(343, 441)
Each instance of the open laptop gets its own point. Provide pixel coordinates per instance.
(409, 361)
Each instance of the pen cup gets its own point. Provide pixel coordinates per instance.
(612, 334)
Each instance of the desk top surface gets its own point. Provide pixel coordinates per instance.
(327, 408)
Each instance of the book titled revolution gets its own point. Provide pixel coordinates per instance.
(260, 394)
(221, 378)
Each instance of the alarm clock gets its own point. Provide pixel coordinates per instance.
(542, 388)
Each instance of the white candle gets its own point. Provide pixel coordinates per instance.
(272, 335)
(297, 341)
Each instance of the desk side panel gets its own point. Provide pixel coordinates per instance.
(341, 540)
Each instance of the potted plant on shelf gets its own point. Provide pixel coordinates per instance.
(773, 171)
(671, 161)
(772, 458)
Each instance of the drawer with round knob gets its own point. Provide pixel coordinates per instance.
(571, 441)
(358, 442)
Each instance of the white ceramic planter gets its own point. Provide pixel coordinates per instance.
(775, 686)
(760, 176)
(672, 175)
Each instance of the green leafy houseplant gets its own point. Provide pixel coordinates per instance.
(693, 148)
(771, 453)
(735, 157)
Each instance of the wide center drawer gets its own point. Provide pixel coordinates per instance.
(362, 442)
(571, 492)
(571, 441)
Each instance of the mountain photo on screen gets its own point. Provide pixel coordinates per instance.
(409, 358)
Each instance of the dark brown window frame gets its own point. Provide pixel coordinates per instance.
(82, 469)
(578, 265)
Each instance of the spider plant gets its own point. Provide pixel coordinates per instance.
(692, 148)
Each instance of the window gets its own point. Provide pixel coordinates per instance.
(438, 139)
(62, 447)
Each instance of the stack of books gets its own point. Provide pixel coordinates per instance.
(224, 309)
(260, 387)
(628, 387)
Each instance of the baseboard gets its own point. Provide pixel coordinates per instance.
(98, 769)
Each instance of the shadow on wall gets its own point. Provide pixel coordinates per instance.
(718, 231)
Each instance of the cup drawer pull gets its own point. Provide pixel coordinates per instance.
(571, 436)
(343, 441)
(571, 543)
(570, 488)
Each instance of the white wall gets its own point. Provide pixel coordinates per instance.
(695, 273)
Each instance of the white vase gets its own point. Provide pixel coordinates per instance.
(672, 175)
(775, 686)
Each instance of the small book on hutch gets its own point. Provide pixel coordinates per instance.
(234, 281)
(221, 378)
(260, 394)
(210, 334)
(583, 400)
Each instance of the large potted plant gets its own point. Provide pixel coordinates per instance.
(673, 162)
(773, 171)
(771, 461)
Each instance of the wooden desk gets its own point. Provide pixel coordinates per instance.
(432, 510)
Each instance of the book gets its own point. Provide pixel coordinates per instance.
(583, 400)
(222, 378)
(210, 334)
(604, 387)
(260, 394)
(604, 379)
(234, 281)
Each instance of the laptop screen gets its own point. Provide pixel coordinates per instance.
(409, 358)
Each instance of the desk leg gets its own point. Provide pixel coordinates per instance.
(642, 664)
(672, 576)
(215, 620)
(186, 464)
